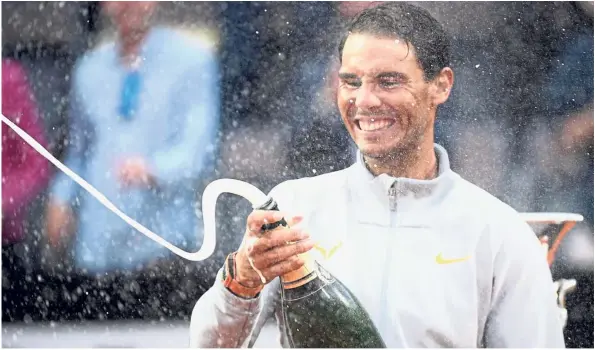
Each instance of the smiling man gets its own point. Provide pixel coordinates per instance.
(435, 260)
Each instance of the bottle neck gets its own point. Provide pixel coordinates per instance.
(301, 276)
(304, 274)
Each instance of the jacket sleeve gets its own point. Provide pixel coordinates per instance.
(524, 311)
(222, 320)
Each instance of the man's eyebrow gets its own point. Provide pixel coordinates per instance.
(348, 76)
(391, 75)
(352, 76)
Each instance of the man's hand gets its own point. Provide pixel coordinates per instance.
(273, 253)
(135, 172)
(59, 222)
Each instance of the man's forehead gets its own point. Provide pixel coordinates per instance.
(375, 54)
(376, 65)
(361, 44)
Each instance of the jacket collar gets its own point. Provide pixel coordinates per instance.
(370, 193)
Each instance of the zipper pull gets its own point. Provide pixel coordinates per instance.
(392, 197)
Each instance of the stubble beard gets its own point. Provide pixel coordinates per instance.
(403, 151)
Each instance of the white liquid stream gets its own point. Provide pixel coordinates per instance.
(209, 201)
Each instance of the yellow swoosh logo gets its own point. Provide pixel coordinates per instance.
(331, 252)
(440, 260)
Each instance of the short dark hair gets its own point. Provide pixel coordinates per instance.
(414, 25)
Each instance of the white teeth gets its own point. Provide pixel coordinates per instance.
(373, 125)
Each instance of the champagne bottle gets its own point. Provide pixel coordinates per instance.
(318, 310)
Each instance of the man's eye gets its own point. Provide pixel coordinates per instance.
(387, 84)
(353, 83)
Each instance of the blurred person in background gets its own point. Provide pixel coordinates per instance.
(143, 124)
(563, 177)
(25, 174)
(567, 108)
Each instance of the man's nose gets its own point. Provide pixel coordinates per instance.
(366, 99)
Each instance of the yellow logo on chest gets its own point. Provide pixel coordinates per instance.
(442, 261)
(328, 254)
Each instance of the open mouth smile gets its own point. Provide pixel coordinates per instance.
(374, 124)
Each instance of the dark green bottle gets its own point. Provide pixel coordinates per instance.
(319, 311)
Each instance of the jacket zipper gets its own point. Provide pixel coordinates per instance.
(392, 202)
(392, 197)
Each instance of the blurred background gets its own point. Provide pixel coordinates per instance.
(111, 90)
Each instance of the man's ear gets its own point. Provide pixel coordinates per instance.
(442, 86)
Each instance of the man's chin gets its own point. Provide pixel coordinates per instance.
(375, 152)
(384, 152)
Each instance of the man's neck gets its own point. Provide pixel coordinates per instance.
(419, 164)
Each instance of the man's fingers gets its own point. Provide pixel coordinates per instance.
(285, 252)
(294, 220)
(279, 237)
(261, 217)
(283, 267)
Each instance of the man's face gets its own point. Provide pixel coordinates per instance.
(130, 17)
(384, 101)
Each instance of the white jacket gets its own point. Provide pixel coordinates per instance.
(436, 263)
